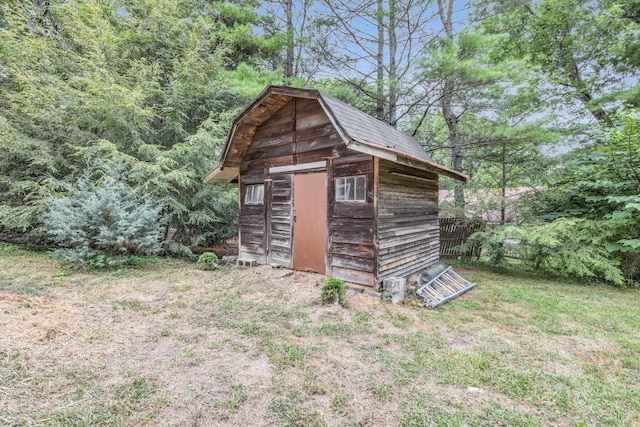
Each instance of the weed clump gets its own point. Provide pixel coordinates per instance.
(333, 291)
(207, 261)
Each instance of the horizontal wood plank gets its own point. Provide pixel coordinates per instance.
(355, 276)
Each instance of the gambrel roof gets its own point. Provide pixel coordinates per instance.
(358, 130)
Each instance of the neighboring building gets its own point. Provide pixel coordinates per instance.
(325, 187)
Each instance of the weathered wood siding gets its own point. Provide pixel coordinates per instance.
(252, 222)
(352, 248)
(301, 132)
(408, 231)
(280, 219)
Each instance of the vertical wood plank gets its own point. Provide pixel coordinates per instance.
(376, 186)
(267, 215)
(330, 203)
(239, 213)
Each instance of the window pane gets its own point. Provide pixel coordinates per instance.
(349, 190)
(254, 194)
(361, 184)
(260, 194)
(340, 196)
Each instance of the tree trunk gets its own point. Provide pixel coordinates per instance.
(380, 63)
(393, 75)
(450, 117)
(584, 95)
(288, 70)
(43, 7)
(456, 147)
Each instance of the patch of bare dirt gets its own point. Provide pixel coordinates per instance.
(237, 347)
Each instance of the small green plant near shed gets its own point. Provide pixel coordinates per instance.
(207, 261)
(333, 291)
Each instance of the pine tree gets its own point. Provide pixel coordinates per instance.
(100, 214)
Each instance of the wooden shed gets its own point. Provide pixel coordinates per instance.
(325, 187)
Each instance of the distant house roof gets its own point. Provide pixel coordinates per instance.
(358, 130)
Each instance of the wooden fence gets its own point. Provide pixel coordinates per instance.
(454, 233)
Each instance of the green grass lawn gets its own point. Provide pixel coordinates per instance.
(171, 345)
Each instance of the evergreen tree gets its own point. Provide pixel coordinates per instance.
(100, 214)
(152, 84)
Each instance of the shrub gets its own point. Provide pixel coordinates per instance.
(177, 250)
(101, 217)
(333, 288)
(564, 247)
(207, 261)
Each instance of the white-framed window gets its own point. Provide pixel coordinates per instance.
(351, 189)
(254, 194)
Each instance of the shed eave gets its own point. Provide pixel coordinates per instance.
(220, 175)
(405, 159)
(373, 150)
(431, 166)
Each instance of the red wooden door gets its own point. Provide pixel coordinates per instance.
(310, 222)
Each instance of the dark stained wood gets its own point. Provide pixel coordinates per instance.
(313, 144)
(330, 205)
(394, 232)
(359, 168)
(244, 126)
(353, 250)
(267, 162)
(252, 179)
(454, 233)
(376, 216)
(347, 156)
(252, 221)
(314, 156)
(362, 251)
(268, 184)
(350, 210)
(280, 223)
(300, 132)
(283, 148)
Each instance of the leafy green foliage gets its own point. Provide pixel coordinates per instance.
(575, 45)
(145, 83)
(601, 183)
(207, 261)
(101, 217)
(564, 247)
(177, 250)
(333, 288)
(489, 132)
(24, 163)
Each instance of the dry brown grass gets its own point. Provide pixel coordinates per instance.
(172, 345)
